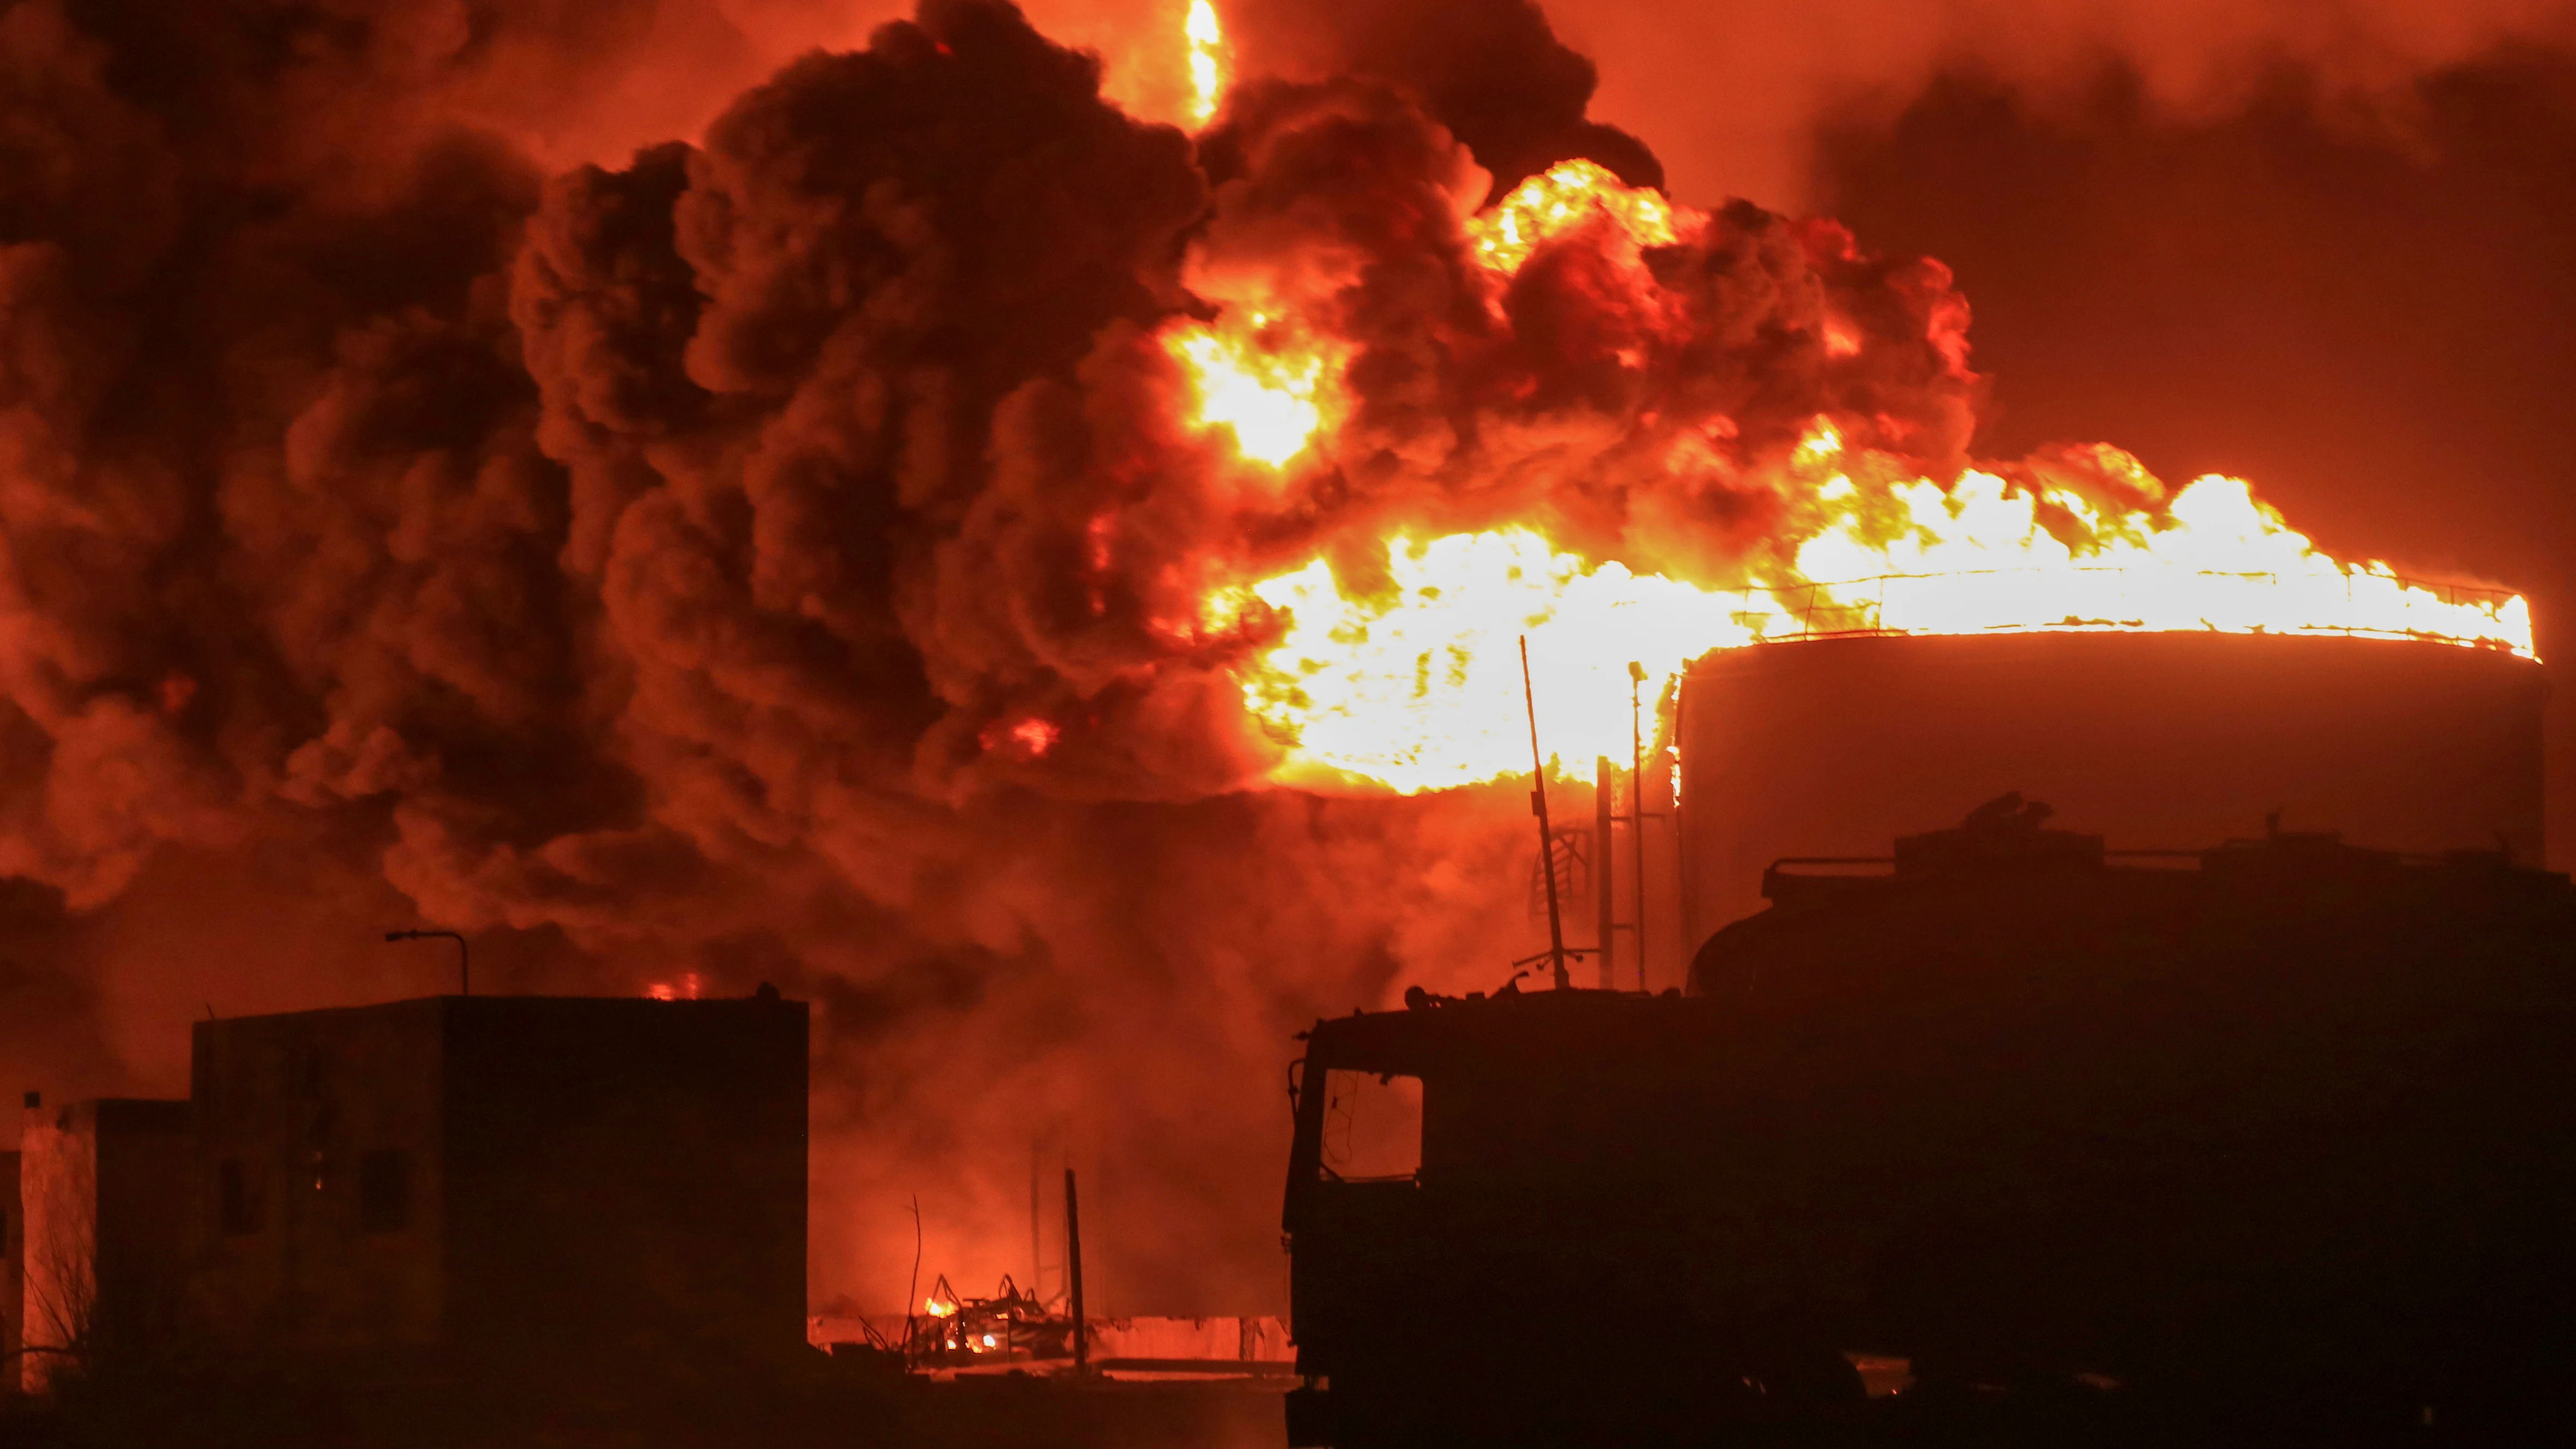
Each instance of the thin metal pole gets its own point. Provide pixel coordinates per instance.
(1604, 816)
(1637, 811)
(1685, 888)
(1546, 837)
(1073, 1273)
(912, 1295)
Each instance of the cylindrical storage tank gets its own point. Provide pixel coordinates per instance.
(1834, 747)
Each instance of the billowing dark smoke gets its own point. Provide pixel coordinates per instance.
(643, 569)
(1490, 71)
(2378, 324)
(1734, 91)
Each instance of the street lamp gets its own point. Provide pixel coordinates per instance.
(464, 962)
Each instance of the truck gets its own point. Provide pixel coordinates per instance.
(2280, 1128)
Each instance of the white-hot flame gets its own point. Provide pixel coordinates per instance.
(1207, 60)
(1258, 381)
(1418, 686)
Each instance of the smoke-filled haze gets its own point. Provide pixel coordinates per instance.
(692, 493)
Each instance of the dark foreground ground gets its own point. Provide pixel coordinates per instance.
(835, 1410)
(821, 1411)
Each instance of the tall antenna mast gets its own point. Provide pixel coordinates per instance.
(1546, 837)
(1637, 809)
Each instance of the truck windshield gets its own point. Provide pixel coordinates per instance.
(1372, 1127)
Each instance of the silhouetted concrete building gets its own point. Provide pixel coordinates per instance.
(13, 1257)
(103, 1193)
(503, 1179)
(490, 1180)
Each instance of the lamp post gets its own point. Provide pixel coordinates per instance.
(464, 959)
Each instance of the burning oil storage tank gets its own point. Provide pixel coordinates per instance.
(1830, 747)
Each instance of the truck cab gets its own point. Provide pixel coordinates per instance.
(2281, 1122)
(1491, 1214)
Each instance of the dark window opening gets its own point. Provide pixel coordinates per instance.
(238, 1205)
(384, 1191)
(1372, 1126)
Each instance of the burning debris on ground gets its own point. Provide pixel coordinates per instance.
(1056, 536)
(1009, 1327)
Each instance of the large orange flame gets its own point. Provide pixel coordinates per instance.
(1413, 682)
(1565, 196)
